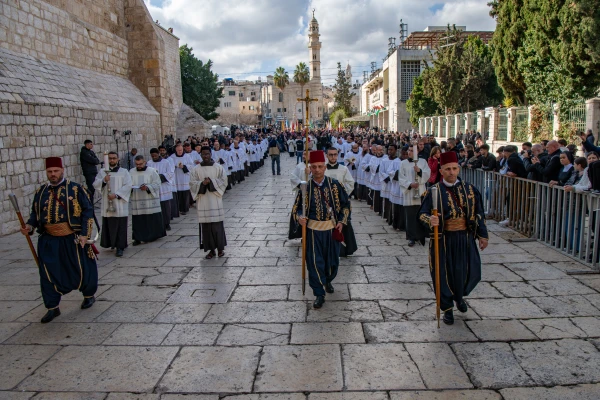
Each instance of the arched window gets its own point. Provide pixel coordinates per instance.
(314, 56)
(315, 69)
(281, 97)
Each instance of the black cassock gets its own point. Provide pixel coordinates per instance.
(460, 263)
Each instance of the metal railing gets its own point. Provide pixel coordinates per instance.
(565, 221)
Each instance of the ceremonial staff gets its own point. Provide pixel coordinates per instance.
(436, 250)
(15, 204)
(307, 100)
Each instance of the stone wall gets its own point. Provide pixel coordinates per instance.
(44, 31)
(147, 62)
(54, 118)
(173, 65)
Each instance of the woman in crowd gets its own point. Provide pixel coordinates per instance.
(567, 174)
(434, 166)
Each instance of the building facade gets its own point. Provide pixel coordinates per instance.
(385, 93)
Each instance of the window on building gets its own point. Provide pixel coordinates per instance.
(243, 107)
(285, 110)
(227, 104)
(315, 69)
(281, 97)
(409, 70)
(232, 92)
(279, 110)
(252, 93)
(314, 56)
(251, 108)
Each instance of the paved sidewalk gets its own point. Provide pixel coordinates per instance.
(168, 322)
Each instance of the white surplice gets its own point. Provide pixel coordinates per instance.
(166, 169)
(210, 204)
(182, 178)
(142, 202)
(120, 184)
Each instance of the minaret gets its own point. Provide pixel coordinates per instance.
(314, 49)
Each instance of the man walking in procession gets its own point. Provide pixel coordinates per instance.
(328, 210)
(115, 187)
(207, 184)
(147, 221)
(461, 222)
(63, 215)
(166, 173)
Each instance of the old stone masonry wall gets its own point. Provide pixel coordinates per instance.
(72, 70)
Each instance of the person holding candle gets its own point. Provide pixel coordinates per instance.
(114, 183)
(461, 222)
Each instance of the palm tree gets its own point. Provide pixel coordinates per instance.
(281, 78)
(302, 77)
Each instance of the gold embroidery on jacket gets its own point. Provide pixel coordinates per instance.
(76, 205)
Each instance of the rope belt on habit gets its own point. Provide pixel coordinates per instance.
(455, 224)
(60, 229)
(320, 225)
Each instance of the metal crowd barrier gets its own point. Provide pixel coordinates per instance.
(565, 221)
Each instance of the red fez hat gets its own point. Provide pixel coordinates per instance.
(448, 158)
(54, 162)
(316, 156)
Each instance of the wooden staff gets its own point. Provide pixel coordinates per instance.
(307, 100)
(303, 191)
(436, 250)
(15, 204)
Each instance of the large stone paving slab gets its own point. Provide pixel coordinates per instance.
(18, 361)
(257, 312)
(8, 329)
(300, 368)
(390, 291)
(254, 334)
(212, 370)
(100, 368)
(491, 365)
(327, 332)
(431, 358)
(199, 293)
(560, 362)
(64, 334)
(379, 367)
(346, 311)
(578, 392)
(417, 331)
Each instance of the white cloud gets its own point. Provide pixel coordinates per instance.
(257, 36)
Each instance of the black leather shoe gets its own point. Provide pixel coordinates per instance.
(462, 307)
(411, 243)
(448, 317)
(422, 241)
(119, 253)
(329, 288)
(319, 302)
(50, 315)
(136, 243)
(88, 302)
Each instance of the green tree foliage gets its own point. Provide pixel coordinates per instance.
(199, 84)
(343, 95)
(554, 47)
(462, 77)
(281, 78)
(508, 37)
(301, 75)
(419, 105)
(336, 117)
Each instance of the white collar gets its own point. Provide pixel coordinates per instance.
(450, 184)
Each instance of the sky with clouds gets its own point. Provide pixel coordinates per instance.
(247, 39)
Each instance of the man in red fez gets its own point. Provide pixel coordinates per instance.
(328, 211)
(63, 215)
(461, 222)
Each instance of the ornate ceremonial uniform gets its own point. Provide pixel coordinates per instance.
(327, 205)
(462, 221)
(60, 214)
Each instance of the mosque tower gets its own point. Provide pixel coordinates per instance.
(314, 46)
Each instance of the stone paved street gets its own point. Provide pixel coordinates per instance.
(170, 325)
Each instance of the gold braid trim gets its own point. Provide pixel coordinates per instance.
(90, 226)
(76, 205)
(426, 219)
